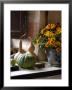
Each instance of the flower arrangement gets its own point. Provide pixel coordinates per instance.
(49, 37)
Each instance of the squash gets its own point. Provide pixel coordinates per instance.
(20, 51)
(13, 62)
(31, 49)
(25, 60)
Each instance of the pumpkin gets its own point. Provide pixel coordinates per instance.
(25, 60)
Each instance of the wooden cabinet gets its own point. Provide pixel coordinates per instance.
(18, 23)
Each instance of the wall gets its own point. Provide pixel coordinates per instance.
(54, 17)
(33, 23)
(38, 19)
(42, 19)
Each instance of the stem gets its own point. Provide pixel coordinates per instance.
(20, 46)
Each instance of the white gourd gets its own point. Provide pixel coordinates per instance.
(25, 60)
(20, 51)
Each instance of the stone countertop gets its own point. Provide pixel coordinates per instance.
(28, 74)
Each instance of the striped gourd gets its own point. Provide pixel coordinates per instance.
(25, 60)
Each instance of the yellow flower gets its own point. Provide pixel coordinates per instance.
(51, 31)
(38, 39)
(50, 26)
(58, 30)
(49, 34)
(53, 26)
(53, 38)
(42, 31)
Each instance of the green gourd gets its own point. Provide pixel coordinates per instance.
(13, 62)
(25, 60)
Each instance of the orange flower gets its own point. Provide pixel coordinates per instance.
(58, 49)
(50, 42)
(48, 26)
(52, 32)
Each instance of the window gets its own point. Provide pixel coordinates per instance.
(18, 23)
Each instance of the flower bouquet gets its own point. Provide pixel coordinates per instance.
(50, 38)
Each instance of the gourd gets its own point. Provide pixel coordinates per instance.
(20, 51)
(25, 60)
(13, 62)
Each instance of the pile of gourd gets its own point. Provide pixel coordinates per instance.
(25, 60)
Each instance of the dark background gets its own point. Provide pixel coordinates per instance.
(1, 32)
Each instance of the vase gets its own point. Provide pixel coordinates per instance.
(58, 58)
(52, 57)
(41, 54)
